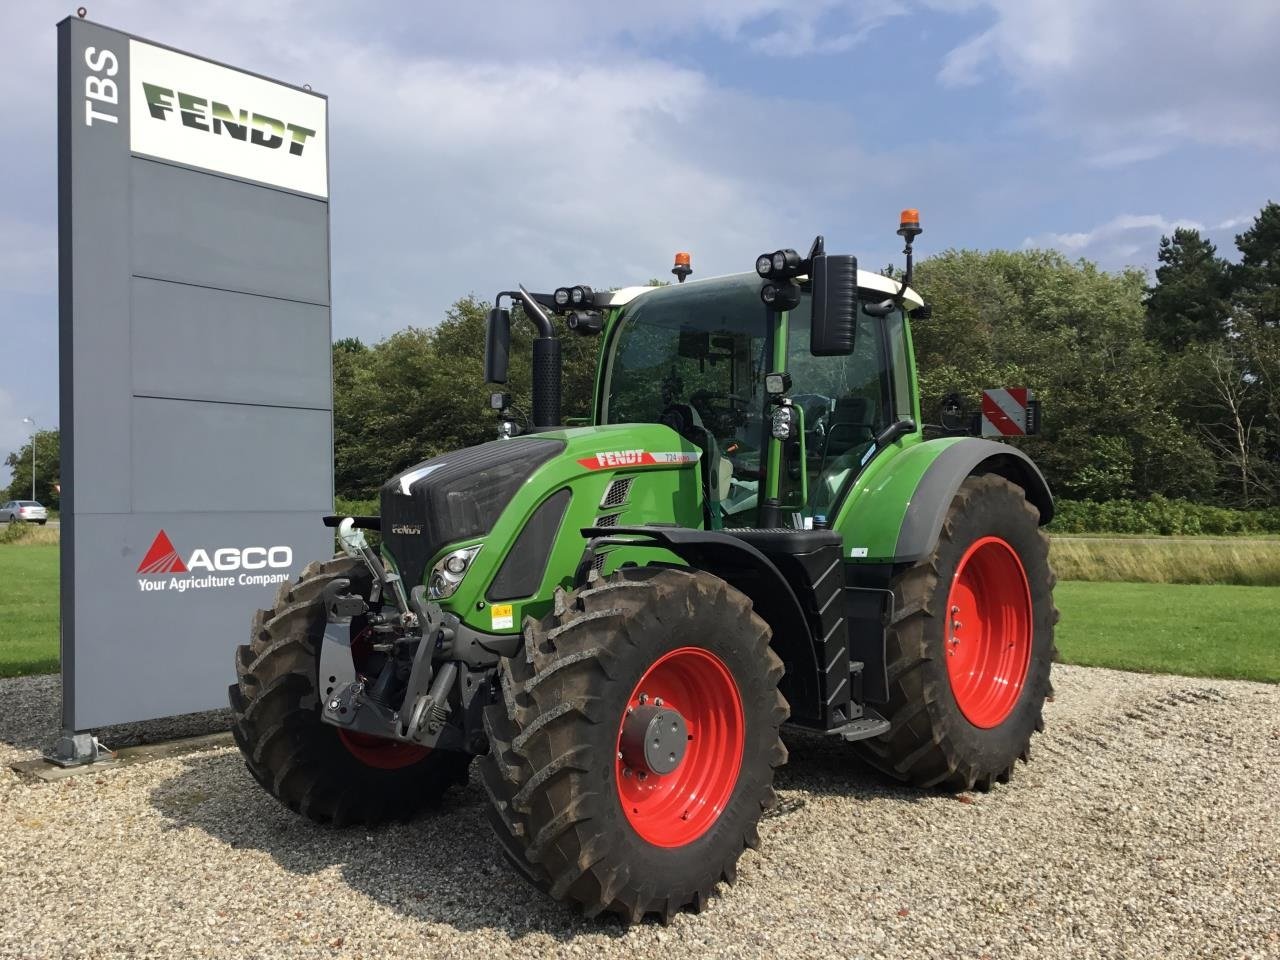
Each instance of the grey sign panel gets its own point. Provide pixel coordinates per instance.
(230, 235)
(194, 343)
(193, 455)
(198, 343)
(168, 650)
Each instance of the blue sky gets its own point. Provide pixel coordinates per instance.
(477, 145)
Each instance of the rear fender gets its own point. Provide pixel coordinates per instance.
(922, 522)
(895, 511)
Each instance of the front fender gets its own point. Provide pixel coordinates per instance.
(749, 571)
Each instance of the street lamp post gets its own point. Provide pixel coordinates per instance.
(33, 454)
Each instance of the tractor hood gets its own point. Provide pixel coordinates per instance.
(455, 496)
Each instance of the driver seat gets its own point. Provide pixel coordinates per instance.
(716, 470)
(849, 427)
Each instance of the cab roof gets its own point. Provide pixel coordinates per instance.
(866, 281)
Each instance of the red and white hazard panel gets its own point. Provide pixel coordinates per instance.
(1008, 412)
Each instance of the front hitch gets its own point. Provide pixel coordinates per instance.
(351, 703)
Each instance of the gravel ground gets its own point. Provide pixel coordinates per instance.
(1145, 826)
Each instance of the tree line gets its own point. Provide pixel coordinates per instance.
(1168, 389)
(1171, 389)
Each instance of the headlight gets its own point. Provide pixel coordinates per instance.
(562, 296)
(580, 295)
(783, 426)
(784, 295)
(777, 384)
(764, 264)
(448, 572)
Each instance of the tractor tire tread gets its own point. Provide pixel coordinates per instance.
(287, 748)
(920, 748)
(543, 810)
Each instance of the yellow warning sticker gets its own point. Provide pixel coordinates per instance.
(503, 616)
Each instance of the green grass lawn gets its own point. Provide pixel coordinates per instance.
(28, 609)
(1210, 631)
(1203, 631)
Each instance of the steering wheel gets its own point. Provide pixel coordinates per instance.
(721, 420)
(681, 418)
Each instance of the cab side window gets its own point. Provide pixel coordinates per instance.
(846, 402)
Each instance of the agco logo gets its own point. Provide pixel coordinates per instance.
(163, 559)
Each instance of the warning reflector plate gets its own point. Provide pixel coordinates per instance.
(1004, 411)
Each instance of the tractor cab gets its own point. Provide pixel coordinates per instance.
(698, 358)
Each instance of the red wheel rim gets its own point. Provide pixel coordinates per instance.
(380, 753)
(677, 808)
(376, 752)
(988, 632)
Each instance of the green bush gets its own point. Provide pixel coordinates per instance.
(355, 508)
(1160, 516)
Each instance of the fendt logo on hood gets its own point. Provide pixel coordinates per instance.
(163, 559)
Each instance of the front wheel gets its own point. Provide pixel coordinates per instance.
(634, 752)
(970, 647)
(320, 771)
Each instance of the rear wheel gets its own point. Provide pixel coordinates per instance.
(971, 646)
(326, 774)
(634, 750)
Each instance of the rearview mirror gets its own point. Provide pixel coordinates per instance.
(497, 346)
(835, 304)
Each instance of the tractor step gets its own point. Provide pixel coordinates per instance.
(870, 724)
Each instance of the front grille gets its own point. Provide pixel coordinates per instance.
(617, 492)
(522, 571)
(453, 497)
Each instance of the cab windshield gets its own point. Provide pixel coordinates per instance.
(694, 358)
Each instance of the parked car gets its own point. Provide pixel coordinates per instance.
(27, 510)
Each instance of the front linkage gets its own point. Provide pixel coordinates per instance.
(413, 639)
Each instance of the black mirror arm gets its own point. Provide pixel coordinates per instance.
(536, 314)
(899, 428)
(884, 308)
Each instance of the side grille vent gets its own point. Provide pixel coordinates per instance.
(617, 492)
(608, 520)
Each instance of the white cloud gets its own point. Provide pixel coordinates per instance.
(1133, 80)
(1234, 223)
(1132, 238)
(1122, 225)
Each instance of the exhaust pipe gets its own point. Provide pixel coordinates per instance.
(547, 365)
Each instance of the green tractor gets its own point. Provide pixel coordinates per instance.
(755, 530)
